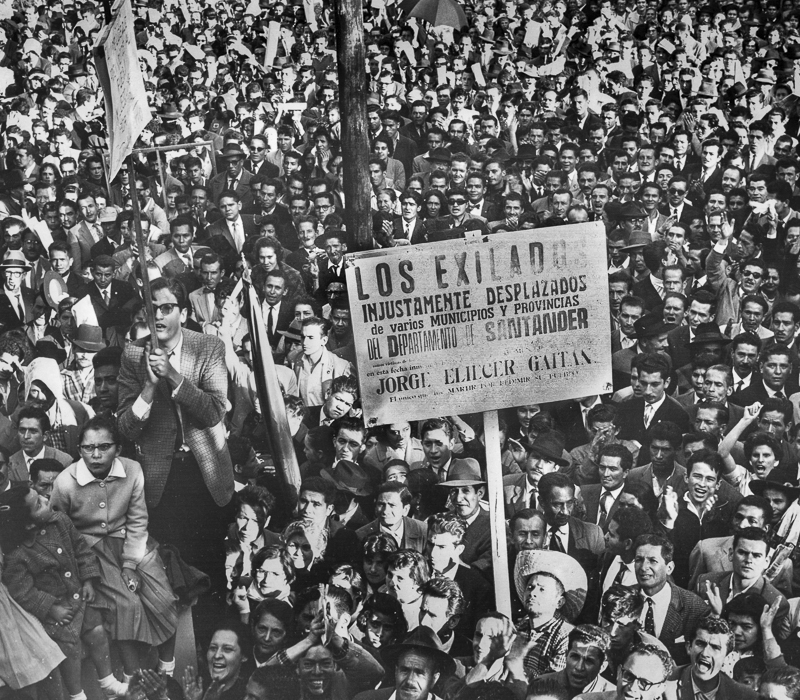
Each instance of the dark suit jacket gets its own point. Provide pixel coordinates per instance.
(326, 276)
(478, 598)
(678, 346)
(687, 214)
(569, 419)
(631, 418)
(266, 169)
(118, 311)
(684, 612)
(478, 544)
(102, 247)
(219, 183)
(8, 315)
(41, 266)
(415, 533)
(591, 501)
(285, 317)
(76, 286)
(418, 235)
(586, 543)
(220, 228)
(405, 150)
(757, 392)
(202, 398)
(645, 290)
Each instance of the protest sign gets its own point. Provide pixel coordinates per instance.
(492, 322)
(127, 111)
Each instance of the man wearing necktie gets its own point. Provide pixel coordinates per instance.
(111, 298)
(565, 533)
(85, 234)
(16, 302)
(204, 307)
(274, 309)
(601, 500)
(672, 613)
(179, 258)
(32, 426)
(334, 243)
(234, 177)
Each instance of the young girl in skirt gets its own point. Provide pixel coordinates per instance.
(103, 495)
(50, 570)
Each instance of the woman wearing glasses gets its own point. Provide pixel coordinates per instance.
(103, 494)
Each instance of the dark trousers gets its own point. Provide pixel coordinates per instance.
(188, 518)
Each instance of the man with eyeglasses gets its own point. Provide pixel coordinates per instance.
(458, 222)
(172, 402)
(642, 676)
(676, 206)
(16, 301)
(257, 162)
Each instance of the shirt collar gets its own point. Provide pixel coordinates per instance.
(83, 476)
(39, 455)
(658, 403)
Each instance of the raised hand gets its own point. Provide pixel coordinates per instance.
(714, 597)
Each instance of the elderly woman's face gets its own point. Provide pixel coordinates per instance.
(300, 551)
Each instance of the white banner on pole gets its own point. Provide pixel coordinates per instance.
(127, 111)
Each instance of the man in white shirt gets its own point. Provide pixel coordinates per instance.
(668, 612)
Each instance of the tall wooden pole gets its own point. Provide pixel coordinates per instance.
(351, 57)
(494, 478)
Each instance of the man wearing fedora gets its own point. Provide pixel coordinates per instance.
(79, 377)
(545, 455)
(467, 489)
(234, 177)
(418, 664)
(651, 333)
(351, 483)
(392, 505)
(16, 302)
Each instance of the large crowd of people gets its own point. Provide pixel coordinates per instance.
(652, 532)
